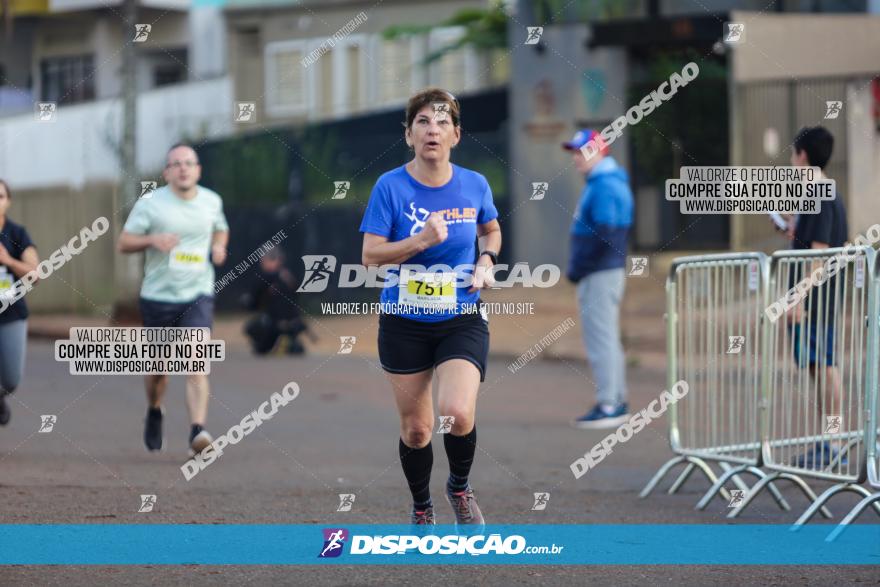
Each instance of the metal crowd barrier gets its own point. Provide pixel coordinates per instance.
(819, 364)
(797, 394)
(873, 436)
(714, 309)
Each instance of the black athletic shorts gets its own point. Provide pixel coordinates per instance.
(198, 313)
(409, 346)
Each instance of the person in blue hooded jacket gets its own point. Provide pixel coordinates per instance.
(598, 257)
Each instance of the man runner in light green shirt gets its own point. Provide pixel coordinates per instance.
(182, 228)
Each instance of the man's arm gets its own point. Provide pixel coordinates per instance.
(219, 240)
(135, 243)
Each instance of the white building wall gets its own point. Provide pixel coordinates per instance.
(81, 146)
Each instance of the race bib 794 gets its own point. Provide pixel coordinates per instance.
(186, 260)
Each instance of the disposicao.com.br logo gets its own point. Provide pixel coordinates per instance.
(447, 544)
(319, 269)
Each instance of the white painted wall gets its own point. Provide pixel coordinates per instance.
(863, 159)
(81, 145)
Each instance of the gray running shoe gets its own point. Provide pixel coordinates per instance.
(422, 518)
(464, 505)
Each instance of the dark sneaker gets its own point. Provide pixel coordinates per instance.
(422, 517)
(295, 347)
(819, 457)
(464, 505)
(602, 417)
(153, 429)
(199, 439)
(5, 413)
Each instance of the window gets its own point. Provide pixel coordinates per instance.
(355, 75)
(457, 70)
(355, 98)
(352, 92)
(67, 80)
(289, 75)
(395, 64)
(169, 67)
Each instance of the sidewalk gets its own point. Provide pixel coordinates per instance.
(511, 334)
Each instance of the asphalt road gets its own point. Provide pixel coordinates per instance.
(340, 436)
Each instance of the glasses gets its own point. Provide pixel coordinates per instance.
(189, 164)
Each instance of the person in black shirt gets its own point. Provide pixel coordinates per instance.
(274, 293)
(18, 256)
(828, 228)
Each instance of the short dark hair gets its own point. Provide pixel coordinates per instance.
(817, 143)
(432, 96)
(6, 185)
(182, 144)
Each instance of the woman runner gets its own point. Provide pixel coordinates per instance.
(430, 213)
(18, 256)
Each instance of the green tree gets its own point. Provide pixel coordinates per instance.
(483, 29)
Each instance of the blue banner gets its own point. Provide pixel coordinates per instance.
(163, 544)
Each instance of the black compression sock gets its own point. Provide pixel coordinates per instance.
(417, 463)
(460, 452)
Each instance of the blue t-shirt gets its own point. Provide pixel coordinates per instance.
(398, 209)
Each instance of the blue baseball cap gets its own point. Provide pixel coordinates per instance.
(584, 136)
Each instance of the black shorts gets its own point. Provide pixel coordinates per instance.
(409, 346)
(198, 313)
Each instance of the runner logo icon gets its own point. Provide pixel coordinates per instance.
(245, 112)
(735, 32)
(441, 111)
(334, 540)
(319, 268)
(539, 190)
(47, 423)
(346, 500)
(736, 497)
(534, 35)
(346, 344)
(418, 223)
(445, 424)
(735, 344)
(639, 265)
(141, 32)
(147, 189)
(833, 424)
(147, 503)
(45, 111)
(832, 109)
(340, 189)
(541, 500)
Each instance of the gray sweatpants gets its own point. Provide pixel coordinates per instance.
(599, 296)
(13, 341)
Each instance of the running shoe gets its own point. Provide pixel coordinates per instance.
(820, 457)
(422, 517)
(153, 429)
(199, 439)
(464, 506)
(602, 416)
(5, 414)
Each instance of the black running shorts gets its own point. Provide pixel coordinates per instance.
(198, 313)
(409, 346)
